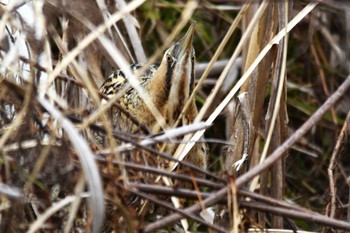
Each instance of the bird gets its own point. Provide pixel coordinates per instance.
(168, 85)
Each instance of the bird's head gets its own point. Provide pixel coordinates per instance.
(173, 82)
(178, 62)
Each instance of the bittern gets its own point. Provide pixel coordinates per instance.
(168, 85)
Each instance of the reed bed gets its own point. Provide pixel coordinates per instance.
(272, 89)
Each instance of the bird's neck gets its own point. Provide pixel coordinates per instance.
(170, 99)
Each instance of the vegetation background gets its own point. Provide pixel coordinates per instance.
(276, 99)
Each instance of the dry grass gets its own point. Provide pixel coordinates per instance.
(272, 89)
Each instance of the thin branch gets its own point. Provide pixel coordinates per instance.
(320, 219)
(178, 211)
(158, 171)
(333, 163)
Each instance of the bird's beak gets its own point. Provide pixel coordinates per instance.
(186, 41)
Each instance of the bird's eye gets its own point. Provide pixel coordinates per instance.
(193, 58)
(169, 58)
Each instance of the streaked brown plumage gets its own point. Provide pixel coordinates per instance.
(168, 85)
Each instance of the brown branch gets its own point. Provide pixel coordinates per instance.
(154, 170)
(279, 208)
(271, 201)
(181, 192)
(171, 207)
(272, 206)
(315, 218)
(333, 163)
(169, 191)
